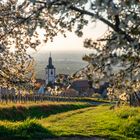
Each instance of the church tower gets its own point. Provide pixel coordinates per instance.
(50, 72)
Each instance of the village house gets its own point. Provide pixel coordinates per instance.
(81, 86)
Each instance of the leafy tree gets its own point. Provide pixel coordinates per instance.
(119, 46)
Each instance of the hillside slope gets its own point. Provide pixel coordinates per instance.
(83, 122)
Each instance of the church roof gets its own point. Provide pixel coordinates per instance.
(50, 65)
(80, 84)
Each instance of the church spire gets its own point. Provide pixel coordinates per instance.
(50, 65)
(50, 60)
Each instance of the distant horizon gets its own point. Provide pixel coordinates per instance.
(64, 62)
(38, 53)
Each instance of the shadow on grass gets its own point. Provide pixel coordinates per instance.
(28, 129)
(19, 113)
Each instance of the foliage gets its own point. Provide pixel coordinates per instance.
(116, 57)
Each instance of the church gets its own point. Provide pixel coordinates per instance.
(50, 72)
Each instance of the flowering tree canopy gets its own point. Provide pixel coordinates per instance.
(119, 47)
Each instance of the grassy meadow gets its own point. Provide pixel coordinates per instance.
(120, 123)
(57, 120)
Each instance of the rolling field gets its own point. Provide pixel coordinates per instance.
(69, 121)
(121, 123)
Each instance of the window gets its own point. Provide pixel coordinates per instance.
(51, 72)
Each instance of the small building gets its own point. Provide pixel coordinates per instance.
(80, 85)
(102, 89)
(70, 93)
(50, 72)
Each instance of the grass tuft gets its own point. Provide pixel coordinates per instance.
(32, 130)
(126, 112)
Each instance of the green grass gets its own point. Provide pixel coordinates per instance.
(20, 121)
(96, 121)
(89, 99)
(20, 112)
(120, 124)
(28, 129)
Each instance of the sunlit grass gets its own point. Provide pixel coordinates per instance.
(121, 123)
(96, 121)
(19, 112)
(10, 104)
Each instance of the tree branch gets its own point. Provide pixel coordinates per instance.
(23, 20)
(118, 30)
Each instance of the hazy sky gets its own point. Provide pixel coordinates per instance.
(72, 42)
